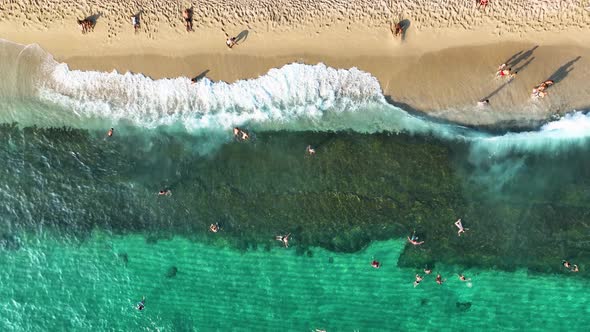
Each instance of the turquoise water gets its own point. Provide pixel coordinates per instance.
(59, 286)
(84, 235)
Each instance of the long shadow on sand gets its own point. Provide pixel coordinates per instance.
(563, 71)
(518, 57)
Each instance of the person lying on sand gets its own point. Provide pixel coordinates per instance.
(483, 3)
(483, 103)
(414, 239)
(460, 227)
(284, 239)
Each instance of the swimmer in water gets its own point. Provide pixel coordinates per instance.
(214, 227)
(575, 268)
(427, 270)
(284, 239)
(414, 239)
(309, 150)
(375, 264)
(566, 264)
(439, 279)
(460, 227)
(418, 280)
(462, 278)
(141, 305)
(110, 132)
(164, 192)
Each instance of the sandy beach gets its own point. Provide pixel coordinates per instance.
(443, 64)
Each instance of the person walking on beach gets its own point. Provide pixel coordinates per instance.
(414, 239)
(460, 227)
(284, 239)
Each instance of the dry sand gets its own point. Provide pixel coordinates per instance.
(444, 64)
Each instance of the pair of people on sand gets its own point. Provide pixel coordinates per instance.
(86, 25)
(506, 72)
(539, 90)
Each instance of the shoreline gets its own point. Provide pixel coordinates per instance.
(444, 64)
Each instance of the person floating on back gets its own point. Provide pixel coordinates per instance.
(414, 239)
(284, 239)
(460, 227)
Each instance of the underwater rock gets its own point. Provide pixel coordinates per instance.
(124, 257)
(172, 272)
(9, 242)
(463, 306)
(331, 260)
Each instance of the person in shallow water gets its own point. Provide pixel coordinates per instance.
(240, 134)
(110, 132)
(575, 268)
(566, 264)
(375, 264)
(284, 239)
(427, 270)
(164, 192)
(439, 279)
(462, 278)
(414, 239)
(214, 228)
(309, 150)
(459, 225)
(418, 280)
(141, 304)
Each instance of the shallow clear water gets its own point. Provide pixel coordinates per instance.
(64, 286)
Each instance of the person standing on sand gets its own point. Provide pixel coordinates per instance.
(397, 29)
(187, 15)
(135, 22)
